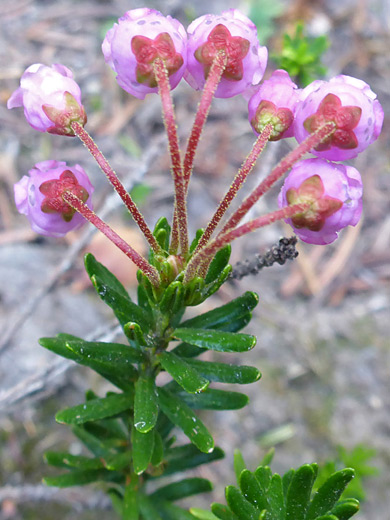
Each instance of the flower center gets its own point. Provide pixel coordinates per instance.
(235, 47)
(268, 113)
(146, 51)
(53, 191)
(345, 119)
(311, 191)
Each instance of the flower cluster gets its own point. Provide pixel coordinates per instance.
(220, 55)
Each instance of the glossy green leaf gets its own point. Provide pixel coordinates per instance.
(223, 512)
(222, 316)
(263, 474)
(186, 350)
(275, 498)
(95, 268)
(225, 373)
(286, 481)
(188, 456)
(95, 409)
(79, 478)
(214, 286)
(183, 373)
(118, 461)
(95, 445)
(299, 491)
(202, 514)
(110, 357)
(143, 300)
(346, 508)
(252, 490)
(216, 340)
(62, 459)
(171, 511)
(218, 264)
(198, 236)
(143, 444)
(148, 508)
(243, 509)
(214, 399)
(116, 500)
(158, 449)
(183, 417)
(326, 517)
(181, 489)
(130, 502)
(329, 493)
(238, 463)
(134, 334)
(145, 404)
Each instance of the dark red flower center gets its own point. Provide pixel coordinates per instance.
(345, 118)
(53, 191)
(146, 51)
(311, 191)
(268, 113)
(235, 47)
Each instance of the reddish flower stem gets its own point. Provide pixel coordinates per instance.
(180, 228)
(89, 143)
(238, 181)
(209, 251)
(280, 169)
(89, 215)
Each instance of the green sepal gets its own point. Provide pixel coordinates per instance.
(202, 514)
(194, 292)
(150, 291)
(219, 341)
(135, 335)
(80, 478)
(218, 264)
(195, 242)
(145, 404)
(252, 490)
(238, 464)
(62, 459)
(225, 373)
(223, 316)
(183, 488)
(215, 399)
(243, 509)
(173, 298)
(214, 286)
(223, 512)
(344, 509)
(329, 493)
(130, 501)
(182, 416)
(143, 444)
(162, 233)
(188, 456)
(96, 409)
(299, 492)
(183, 373)
(95, 268)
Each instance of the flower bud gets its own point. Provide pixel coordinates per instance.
(39, 197)
(274, 103)
(235, 35)
(351, 105)
(334, 192)
(51, 99)
(133, 44)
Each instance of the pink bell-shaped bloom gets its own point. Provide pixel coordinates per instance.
(334, 192)
(51, 99)
(236, 35)
(351, 105)
(274, 102)
(39, 197)
(136, 41)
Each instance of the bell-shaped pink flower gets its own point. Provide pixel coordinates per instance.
(39, 197)
(274, 102)
(334, 192)
(236, 35)
(51, 99)
(347, 102)
(134, 43)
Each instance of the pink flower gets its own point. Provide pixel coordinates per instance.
(274, 103)
(351, 105)
(39, 197)
(334, 192)
(50, 97)
(235, 34)
(133, 44)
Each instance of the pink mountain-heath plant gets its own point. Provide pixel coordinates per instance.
(334, 193)
(347, 102)
(51, 99)
(234, 35)
(274, 103)
(39, 197)
(140, 37)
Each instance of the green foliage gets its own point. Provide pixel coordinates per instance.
(301, 56)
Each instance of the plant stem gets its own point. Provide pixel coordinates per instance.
(208, 252)
(280, 169)
(89, 143)
(238, 181)
(180, 229)
(89, 215)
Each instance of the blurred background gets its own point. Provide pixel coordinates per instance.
(322, 321)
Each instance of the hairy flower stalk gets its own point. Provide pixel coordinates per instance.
(180, 231)
(89, 143)
(204, 255)
(135, 257)
(280, 169)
